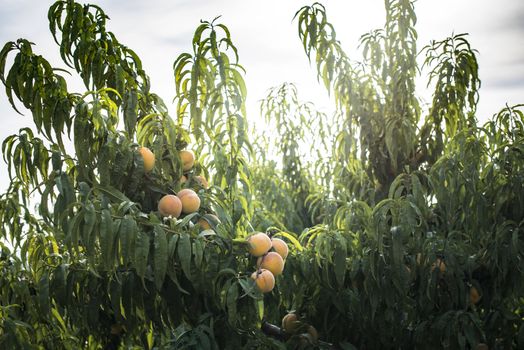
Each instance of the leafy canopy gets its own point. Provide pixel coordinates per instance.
(395, 215)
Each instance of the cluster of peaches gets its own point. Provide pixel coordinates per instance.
(271, 254)
(185, 201)
(302, 331)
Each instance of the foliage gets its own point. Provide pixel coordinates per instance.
(393, 213)
(210, 84)
(95, 265)
(286, 193)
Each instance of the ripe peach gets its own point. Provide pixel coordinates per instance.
(207, 220)
(202, 181)
(259, 244)
(273, 262)
(440, 264)
(190, 203)
(170, 205)
(183, 179)
(185, 192)
(203, 224)
(290, 323)
(148, 157)
(312, 331)
(264, 280)
(188, 159)
(280, 247)
(474, 295)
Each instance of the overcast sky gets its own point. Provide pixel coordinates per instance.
(268, 44)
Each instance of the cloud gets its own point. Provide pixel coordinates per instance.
(514, 18)
(179, 40)
(513, 82)
(511, 77)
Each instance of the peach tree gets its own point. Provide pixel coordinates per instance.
(416, 238)
(404, 224)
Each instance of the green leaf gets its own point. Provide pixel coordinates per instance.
(520, 336)
(59, 285)
(127, 234)
(291, 238)
(184, 253)
(106, 239)
(130, 111)
(249, 287)
(186, 219)
(231, 303)
(115, 295)
(142, 243)
(160, 256)
(198, 252)
(172, 246)
(339, 259)
(43, 295)
(90, 220)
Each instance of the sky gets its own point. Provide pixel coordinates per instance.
(269, 48)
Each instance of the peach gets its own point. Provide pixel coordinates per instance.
(290, 323)
(190, 203)
(259, 244)
(280, 247)
(273, 262)
(474, 295)
(170, 205)
(440, 264)
(148, 157)
(188, 159)
(202, 181)
(264, 280)
(207, 220)
(185, 192)
(204, 224)
(312, 331)
(183, 179)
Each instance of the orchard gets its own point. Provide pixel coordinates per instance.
(129, 226)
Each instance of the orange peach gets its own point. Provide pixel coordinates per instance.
(203, 224)
(148, 157)
(280, 247)
(440, 264)
(202, 181)
(273, 262)
(290, 323)
(185, 192)
(259, 244)
(188, 159)
(312, 331)
(474, 295)
(170, 205)
(264, 280)
(190, 203)
(207, 220)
